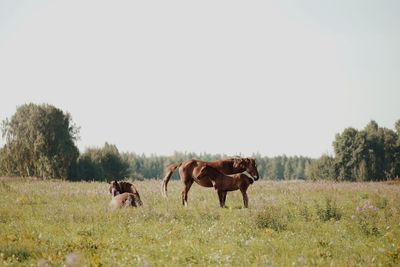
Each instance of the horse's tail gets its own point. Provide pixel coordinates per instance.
(169, 170)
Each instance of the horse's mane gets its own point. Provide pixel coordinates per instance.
(237, 160)
(134, 188)
(125, 187)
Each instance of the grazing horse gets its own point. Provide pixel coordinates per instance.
(124, 194)
(224, 183)
(121, 187)
(190, 169)
(125, 200)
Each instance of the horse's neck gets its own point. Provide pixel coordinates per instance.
(213, 174)
(116, 194)
(223, 166)
(214, 164)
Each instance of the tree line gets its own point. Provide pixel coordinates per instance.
(106, 162)
(40, 142)
(370, 154)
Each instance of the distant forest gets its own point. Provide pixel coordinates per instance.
(40, 142)
(96, 163)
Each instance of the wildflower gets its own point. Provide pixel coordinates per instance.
(43, 262)
(269, 231)
(300, 259)
(74, 260)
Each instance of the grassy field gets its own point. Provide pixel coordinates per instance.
(288, 223)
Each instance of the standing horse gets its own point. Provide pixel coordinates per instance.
(224, 183)
(189, 171)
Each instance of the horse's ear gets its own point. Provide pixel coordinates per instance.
(113, 182)
(252, 161)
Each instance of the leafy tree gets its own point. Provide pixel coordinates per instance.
(40, 141)
(397, 127)
(344, 146)
(376, 152)
(288, 172)
(323, 168)
(391, 154)
(103, 163)
(370, 154)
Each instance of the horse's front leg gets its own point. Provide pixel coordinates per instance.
(245, 198)
(222, 197)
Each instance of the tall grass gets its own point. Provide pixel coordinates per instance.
(288, 223)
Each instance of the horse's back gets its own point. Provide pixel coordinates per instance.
(120, 200)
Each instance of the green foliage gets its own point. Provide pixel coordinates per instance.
(277, 168)
(321, 169)
(367, 218)
(40, 142)
(61, 223)
(272, 217)
(282, 167)
(344, 145)
(103, 163)
(370, 154)
(14, 253)
(330, 211)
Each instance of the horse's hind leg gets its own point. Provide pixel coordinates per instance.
(185, 192)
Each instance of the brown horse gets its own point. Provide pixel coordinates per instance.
(116, 188)
(125, 200)
(224, 183)
(190, 169)
(124, 193)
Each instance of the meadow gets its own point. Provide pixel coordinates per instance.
(59, 223)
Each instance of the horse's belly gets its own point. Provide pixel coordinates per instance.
(231, 188)
(115, 204)
(204, 181)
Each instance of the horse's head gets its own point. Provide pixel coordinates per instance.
(252, 168)
(114, 188)
(249, 165)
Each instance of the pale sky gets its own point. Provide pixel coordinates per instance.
(233, 77)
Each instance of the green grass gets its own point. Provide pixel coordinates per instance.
(288, 223)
